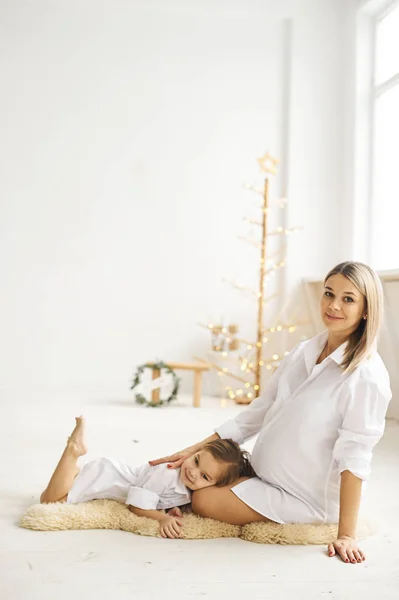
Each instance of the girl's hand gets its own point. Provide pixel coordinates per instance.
(170, 527)
(347, 548)
(175, 512)
(176, 459)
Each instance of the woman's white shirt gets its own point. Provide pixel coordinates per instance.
(314, 421)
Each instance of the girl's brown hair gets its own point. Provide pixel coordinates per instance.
(364, 339)
(237, 460)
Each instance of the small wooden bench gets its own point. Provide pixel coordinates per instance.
(198, 369)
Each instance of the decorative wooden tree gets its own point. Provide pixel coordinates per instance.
(252, 364)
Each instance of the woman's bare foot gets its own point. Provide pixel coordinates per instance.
(77, 440)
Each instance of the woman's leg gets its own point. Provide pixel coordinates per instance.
(223, 505)
(67, 468)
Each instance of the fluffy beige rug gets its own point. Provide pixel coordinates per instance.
(107, 514)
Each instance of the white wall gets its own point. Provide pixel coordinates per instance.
(128, 129)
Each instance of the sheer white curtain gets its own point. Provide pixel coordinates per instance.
(384, 216)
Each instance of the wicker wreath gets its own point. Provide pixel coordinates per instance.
(140, 399)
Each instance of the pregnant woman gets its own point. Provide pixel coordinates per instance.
(317, 422)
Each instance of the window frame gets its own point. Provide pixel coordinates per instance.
(370, 14)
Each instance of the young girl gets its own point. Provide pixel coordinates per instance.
(147, 490)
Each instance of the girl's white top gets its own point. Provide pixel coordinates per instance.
(144, 486)
(314, 421)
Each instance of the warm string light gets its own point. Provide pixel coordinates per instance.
(291, 328)
(274, 268)
(252, 188)
(278, 231)
(239, 393)
(269, 361)
(252, 221)
(240, 287)
(273, 255)
(211, 326)
(226, 357)
(222, 370)
(267, 300)
(282, 231)
(281, 203)
(227, 333)
(250, 345)
(254, 293)
(244, 238)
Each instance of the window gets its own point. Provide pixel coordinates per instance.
(384, 188)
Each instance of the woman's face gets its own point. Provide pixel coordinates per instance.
(342, 305)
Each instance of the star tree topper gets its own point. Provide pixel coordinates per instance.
(268, 163)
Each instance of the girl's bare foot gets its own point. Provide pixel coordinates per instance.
(77, 440)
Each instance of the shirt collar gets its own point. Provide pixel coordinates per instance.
(313, 349)
(338, 354)
(180, 488)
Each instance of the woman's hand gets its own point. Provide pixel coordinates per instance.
(347, 548)
(170, 527)
(176, 459)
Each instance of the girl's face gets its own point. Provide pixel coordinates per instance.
(200, 471)
(342, 305)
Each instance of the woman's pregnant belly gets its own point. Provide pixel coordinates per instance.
(296, 455)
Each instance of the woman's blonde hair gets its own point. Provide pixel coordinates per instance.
(362, 341)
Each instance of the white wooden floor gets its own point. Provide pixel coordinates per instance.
(103, 564)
